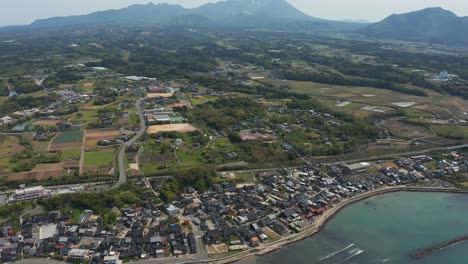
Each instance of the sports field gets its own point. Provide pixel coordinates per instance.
(172, 127)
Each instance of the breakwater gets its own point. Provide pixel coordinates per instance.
(434, 249)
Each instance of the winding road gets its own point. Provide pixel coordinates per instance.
(121, 155)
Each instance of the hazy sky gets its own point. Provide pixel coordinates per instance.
(26, 11)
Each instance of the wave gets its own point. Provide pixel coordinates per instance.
(355, 252)
(336, 252)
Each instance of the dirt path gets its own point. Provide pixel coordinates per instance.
(52, 140)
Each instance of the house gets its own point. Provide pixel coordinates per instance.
(254, 242)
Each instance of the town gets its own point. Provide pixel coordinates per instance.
(228, 217)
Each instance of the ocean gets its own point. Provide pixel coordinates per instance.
(384, 229)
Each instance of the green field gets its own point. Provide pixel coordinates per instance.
(67, 137)
(447, 130)
(99, 158)
(88, 116)
(414, 113)
(71, 153)
(5, 164)
(202, 99)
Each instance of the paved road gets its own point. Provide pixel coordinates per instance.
(121, 155)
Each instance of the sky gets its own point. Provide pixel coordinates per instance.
(20, 12)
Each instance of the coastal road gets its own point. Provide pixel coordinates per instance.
(121, 155)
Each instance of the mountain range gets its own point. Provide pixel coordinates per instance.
(433, 25)
(278, 14)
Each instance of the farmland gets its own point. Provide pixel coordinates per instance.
(95, 135)
(71, 153)
(66, 140)
(9, 145)
(68, 137)
(451, 131)
(101, 158)
(47, 122)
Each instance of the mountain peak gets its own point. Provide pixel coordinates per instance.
(433, 25)
(229, 13)
(263, 9)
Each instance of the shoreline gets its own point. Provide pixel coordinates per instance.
(321, 222)
(317, 226)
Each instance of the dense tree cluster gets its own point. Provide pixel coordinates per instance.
(227, 112)
(101, 203)
(198, 178)
(17, 103)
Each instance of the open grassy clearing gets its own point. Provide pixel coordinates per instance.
(198, 100)
(415, 113)
(40, 146)
(5, 165)
(101, 158)
(85, 116)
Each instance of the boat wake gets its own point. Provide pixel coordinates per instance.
(355, 252)
(336, 252)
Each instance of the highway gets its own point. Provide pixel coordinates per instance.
(121, 155)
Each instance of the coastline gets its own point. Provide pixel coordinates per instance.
(318, 225)
(321, 222)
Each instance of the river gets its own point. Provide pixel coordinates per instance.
(384, 229)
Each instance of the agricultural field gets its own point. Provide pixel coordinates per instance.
(71, 153)
(36, 175)
(101, 158)
(40, 146)
(47, 122)
(5, 165)
(451, 131)
(66, 140)
(92, 136)
(9, 145)
(68, 137)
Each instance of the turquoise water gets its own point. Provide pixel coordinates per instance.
(385, 229)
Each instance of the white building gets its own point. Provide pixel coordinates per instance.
(78, 254)
(6, 120)
(172, 210)
(29, 194)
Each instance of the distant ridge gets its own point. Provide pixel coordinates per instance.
(273, 14)
(432, 25)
